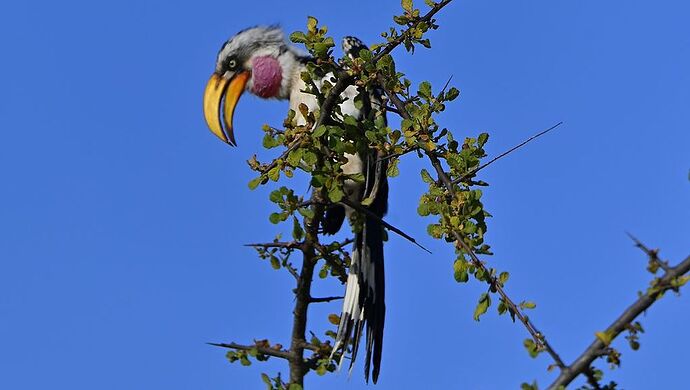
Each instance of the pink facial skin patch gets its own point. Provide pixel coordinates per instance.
(266, 76)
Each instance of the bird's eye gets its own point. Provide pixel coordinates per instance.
(232, 64)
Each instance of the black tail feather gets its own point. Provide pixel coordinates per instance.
(364, 299)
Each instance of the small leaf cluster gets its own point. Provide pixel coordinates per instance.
(657, 286)
(633, 335)
(320, 361)
(413, 29)
(276, 383)
(462, 212)
(315, 40)
(278, 256)
(243, 356)
(336, 260)
(598, 375)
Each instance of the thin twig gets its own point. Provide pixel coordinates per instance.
(653, 254)
(324, 299)
(569, 373)
(380, 220)
(507, 152)
(292, 270)
(396, 155)
(282, 245)
(444, 87)
(443, 177)
(277, 244)
(280, 353)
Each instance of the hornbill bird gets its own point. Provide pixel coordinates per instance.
(260, 61)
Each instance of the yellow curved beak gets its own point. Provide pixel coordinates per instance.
(221, 90)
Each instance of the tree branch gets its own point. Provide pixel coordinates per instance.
(397, 41)
(538, 337)
(279, 353)
(584, 361)
(298, 368)
(288, 246)
(277, 244)
(324, 299)
(443, 177)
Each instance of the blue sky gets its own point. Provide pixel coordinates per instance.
(122, 217)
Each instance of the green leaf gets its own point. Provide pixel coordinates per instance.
(321, 49)
(426, 177)
(406, 124)
(319, 131)
(267, 381)
(460, 271)
(401, 20)
(275, 263)
(317, 181)
(425, 89)
(531, 348)
(393, 170)
(502, 307)
(503, 277)
(423, 209)
(298, 37)
(452, 94)
(274, 173)
(357, 177)
(311, 26)
(528, 305)
(527, 386)
(481, 140)
(306, 212)
(407, 5)
(335, 194)
(482, 306)
(276, 196)
(255, 183)
(297, 231)
(434, 230)
(425, 42)
(350, 121)
(334, 319)
(270, 142)
(274, 218)
(294, 386)
(309, 157)
(294, 157)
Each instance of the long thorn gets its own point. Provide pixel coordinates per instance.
(523, 143)
(380, 220)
